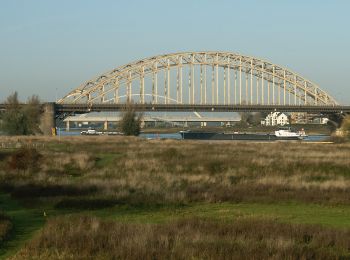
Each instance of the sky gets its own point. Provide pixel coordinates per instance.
(50, 47)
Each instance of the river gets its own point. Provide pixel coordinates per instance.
(310, 138)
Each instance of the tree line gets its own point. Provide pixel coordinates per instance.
(18, 119)
(21, 120)
(25, 120)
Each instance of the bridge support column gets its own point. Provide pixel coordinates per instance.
(47, 120)
(67, 125)
(105, 125)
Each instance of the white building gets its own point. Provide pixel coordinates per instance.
(324, 120)
(275, 118)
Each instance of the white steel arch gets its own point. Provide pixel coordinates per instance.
(201, 78)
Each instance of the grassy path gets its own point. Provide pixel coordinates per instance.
(25, 222)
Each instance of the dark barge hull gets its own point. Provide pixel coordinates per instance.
(233, 136)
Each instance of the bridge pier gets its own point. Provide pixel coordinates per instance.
(47, 120)
(105, 125)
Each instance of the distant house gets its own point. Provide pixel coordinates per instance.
(299, 117)
(324, 121)
(275, 118)
(308, 118)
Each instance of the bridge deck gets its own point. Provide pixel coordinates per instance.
(150, 119)
(82, 108)
(85, 108)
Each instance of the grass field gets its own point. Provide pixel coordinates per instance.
(130, 198)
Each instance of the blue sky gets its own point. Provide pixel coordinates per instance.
(50, 47)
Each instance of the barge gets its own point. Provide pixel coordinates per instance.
(281, 134)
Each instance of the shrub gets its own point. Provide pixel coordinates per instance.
(4, 155)
(21, 120)
(337, 139)
(131, 122)
(25, 159)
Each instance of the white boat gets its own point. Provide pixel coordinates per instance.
(90, 132)
(94, 132)
(288, 133)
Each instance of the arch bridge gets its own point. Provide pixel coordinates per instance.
(200, 79)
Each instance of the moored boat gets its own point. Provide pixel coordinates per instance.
(280, 134)
(94, 132)
(90, 132)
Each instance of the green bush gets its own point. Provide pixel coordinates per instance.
(19, 119)
(131, 122)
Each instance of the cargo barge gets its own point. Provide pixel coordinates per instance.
(281, 134)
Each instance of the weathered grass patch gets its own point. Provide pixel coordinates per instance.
(155, 185)
(5, 227)
(194, 238)
(106, 159)
(178, 171)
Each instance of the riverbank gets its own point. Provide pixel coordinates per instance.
(165, 188)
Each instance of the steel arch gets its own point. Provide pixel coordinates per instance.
(263, 82)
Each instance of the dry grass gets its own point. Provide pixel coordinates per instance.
(91, 238)
(5, 227)
(84, 173)
(141, 171)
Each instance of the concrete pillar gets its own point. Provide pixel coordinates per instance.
(47, 120)
(105, 125)
(67, 125)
